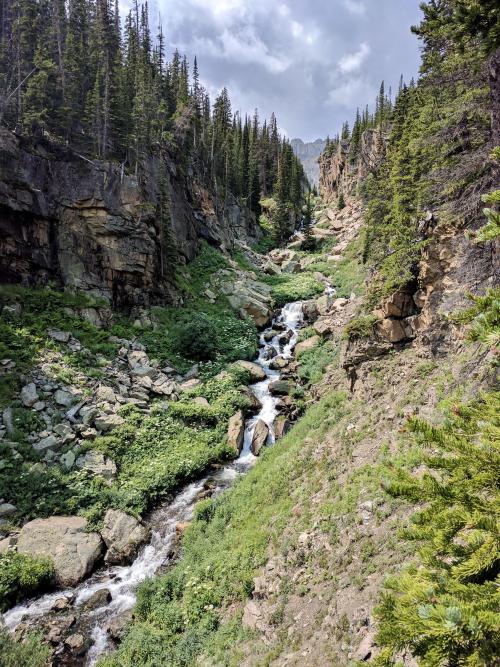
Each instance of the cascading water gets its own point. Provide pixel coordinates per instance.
(122, 581)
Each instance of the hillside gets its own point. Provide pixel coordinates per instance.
(242, 424)
(308, 153)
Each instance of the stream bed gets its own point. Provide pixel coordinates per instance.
(95, 622)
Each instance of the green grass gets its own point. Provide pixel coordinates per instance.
(31, 652)
(313, 363)
(22, 575)
(294, 287)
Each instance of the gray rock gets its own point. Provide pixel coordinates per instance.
(29, 395)
(12, 310)
(99, 599)
(104, 393)
(6, 509)
(8, 420)
(48, 443)
(64, 398)
(279, 388)
(123, 535)
(108, 422)
(68, 459)
(97, 463)
(39, 406)
(65, 541)
(59, 336)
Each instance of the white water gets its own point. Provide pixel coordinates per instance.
(122, 581)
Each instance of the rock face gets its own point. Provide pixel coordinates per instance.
(123, 535)
(308, 153)
(85, 224)
(65, 541)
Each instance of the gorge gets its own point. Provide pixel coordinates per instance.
(242, 423)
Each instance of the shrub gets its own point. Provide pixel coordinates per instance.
(195, 337)
(484, 317)
(31, 652)
(444, 608)
(21, 575)
(360, 327)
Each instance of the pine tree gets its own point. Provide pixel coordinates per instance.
(444, 608)
(308, 243)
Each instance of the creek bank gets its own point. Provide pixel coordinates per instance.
(83, 621)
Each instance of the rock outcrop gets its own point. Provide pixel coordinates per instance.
(87, 225)
(64, 540)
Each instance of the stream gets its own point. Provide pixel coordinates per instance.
(122, 581)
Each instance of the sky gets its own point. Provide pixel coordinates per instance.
(312, 62)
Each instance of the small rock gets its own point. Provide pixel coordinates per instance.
(259, 437)
(48, 443)
(97, 463)
(39, 406)
(104, 393)
(307, 344)
(201, 400)
(61, 604)
(108, 422)
(68, 460)
(64, 398)
(279, 388)
(29, 395)
(190, 384)
(99, 599)
(75, 642)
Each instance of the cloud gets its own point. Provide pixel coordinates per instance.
(355, 7)
(353, 61)
(350, 94)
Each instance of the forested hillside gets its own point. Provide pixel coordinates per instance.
(243, 423)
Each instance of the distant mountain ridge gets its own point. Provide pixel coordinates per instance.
(308, 153)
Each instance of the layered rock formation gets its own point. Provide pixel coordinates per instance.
(308, 153)
(87, 225)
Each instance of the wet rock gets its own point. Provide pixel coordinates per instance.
(254, 405)
(310, 310)
(269, 353)
(29, 395)
(259, 438)
(108, 422)
(99, 599)
(279, 388)
(236, 431)
(307, 344)
(62, 604)
(65, 541)
(123, 535)
(254, 370)
(76, 643)
(278, 363)
(59, 336)
(97, 463)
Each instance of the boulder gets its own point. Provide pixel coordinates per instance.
(254, 405)
(50, 442)
(202, 401)
(324, 304)
(59, 336)
(108, 422)
(236, 431)
(106, 394)
(310, 310)
(123, 535)
(190, 384)
(279, 388)
(64, 398)
(97, 463)
(259, 437)
(256, 373)
(281, 426)
(278, 363)
(29, 395)
(7, 509)
(307, 344)
(65, 540)
(324, 326)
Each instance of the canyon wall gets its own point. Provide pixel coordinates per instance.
(87, 225)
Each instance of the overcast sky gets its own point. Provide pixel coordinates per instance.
(312, 62)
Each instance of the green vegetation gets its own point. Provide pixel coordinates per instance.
(179, 614)
(313, 363)
(360, 327)
(444, 608)
(293, 287)
(21, 576)
(31, 652)
(483, 317)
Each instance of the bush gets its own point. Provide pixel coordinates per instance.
(195, 337)
(21, 576)
(31, 652)
(444, 608)
(360, 327)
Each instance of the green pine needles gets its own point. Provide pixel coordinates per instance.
(445, 607)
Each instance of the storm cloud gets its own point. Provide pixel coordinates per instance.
(312, 62)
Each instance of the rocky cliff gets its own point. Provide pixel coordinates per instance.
(308, 153)
(87, 225)
(337, 173)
